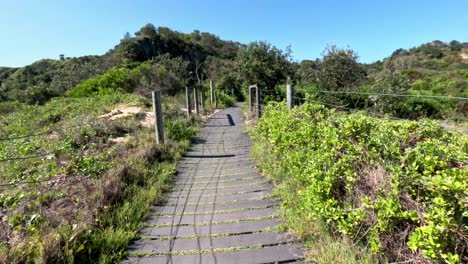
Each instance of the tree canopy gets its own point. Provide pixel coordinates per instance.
(187, 59)
(263, 64)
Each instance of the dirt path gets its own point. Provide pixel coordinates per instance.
(220, 209)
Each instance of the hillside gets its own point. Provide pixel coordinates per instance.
(77, 179)
(180, 53)
(431, 69)
(435, 55)
(434, 68)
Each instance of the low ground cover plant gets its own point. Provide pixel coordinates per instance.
(396, 188)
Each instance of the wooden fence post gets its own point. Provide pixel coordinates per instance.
(187, 98)
(257, 98)
(195, 97)
(202, 95)
(158, 117)
(212, 92)
(290, 96)
(251, 103)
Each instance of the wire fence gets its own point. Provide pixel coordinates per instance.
(376, 114)
(387, 139)
(387, 94)
(27, 157)
(52, 153)
(50, 131)
(39, 150)
(46, 132)
(26, 136)
(17, 183)
(299, 100)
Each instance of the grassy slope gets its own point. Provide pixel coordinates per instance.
(86, 197)
(427, 70)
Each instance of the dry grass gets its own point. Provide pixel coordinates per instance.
(66, 202)
(250, 119)
(81, 216)
(373, 180)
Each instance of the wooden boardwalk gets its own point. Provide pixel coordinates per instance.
(220, 209)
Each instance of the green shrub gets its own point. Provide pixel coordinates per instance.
(380, 182)
(142, 79)
(10, 107)
(179, 130)
(415, 108)
(225, 100)
(116, 80)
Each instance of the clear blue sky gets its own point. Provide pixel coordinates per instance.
(35, 29)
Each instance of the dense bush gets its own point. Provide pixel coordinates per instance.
(385, 184)
(179, 130)
(44, 79)
(142, 79)
(340, 69)
(114, 81)
(225, 100)
(433, 68)
(263, 64)
(421, 82)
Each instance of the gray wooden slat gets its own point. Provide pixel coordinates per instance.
(173, 209)
(219, 181)
(273, 254)
(233, 228)
(259, 185)
(214, 171)
(187, 180)
(197, 219)
(245, 240)
(219, 198)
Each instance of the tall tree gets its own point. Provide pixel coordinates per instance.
(308, 71)
(263, 64)
(340, 69)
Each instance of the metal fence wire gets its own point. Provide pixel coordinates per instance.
(299, 100)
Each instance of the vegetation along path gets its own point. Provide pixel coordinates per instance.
(220, 209)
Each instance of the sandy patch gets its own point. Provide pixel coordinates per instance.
(464, 55)
(214, 112)
(121, 111)
(119, 139)
(147, 119)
